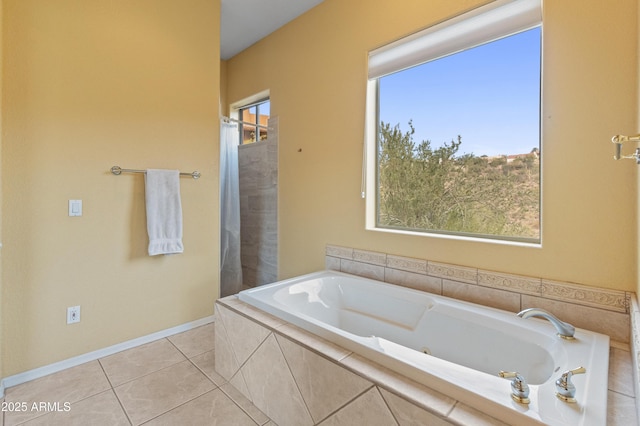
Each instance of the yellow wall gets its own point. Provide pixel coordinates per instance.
(315, 69)
(224, 105)
(637, 128)
(1, 133)
(89, 84)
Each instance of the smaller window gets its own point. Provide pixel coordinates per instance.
(253, 121)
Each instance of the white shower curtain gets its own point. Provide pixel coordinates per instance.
(230, 265)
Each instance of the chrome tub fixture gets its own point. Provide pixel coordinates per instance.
(519, 387)
(565, 389)
(565, 330)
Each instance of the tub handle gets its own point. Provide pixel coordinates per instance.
(519, 387)
(566, 391)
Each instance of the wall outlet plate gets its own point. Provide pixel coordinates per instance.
(73, 314)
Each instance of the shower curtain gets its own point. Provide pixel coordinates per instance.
(230, 265)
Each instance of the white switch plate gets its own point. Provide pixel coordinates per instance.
(75, 207)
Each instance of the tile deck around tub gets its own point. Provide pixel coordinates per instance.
(403, 399)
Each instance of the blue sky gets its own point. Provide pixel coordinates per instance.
(489, 95)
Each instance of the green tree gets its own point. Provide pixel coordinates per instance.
(424, 188)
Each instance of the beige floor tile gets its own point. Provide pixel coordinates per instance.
(206, 362)
(161, 391)
(139, 361)
(253, 411)
(213, 408)
(68, 386)
(101, 409)
(195, 342)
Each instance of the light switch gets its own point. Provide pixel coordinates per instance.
(75, 207)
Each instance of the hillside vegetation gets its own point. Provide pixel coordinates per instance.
(422, 188)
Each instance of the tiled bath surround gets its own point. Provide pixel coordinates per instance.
(297, 378)
(601, 310)
(289, 373)
(611, 312)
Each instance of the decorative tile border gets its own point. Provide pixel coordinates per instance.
(371, 257)
(510, 282)
(340, 252)
(490, 288)
(418, 266)
(611, 300)
(453, 272)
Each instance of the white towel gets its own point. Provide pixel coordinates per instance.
(164, 211)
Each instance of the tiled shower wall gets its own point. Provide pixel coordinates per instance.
(258, 165)
(598, 309)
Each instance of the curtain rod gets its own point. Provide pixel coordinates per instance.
(228, 120)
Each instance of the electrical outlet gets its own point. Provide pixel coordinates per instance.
(73, 314)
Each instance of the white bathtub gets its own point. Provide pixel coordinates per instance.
(468, 344)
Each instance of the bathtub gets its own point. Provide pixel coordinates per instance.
(454, 347)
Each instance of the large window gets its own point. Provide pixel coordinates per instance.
(253, 121)
(457, 131)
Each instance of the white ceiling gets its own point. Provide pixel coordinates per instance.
(244, 22)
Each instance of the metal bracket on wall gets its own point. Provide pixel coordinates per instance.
(618, 140)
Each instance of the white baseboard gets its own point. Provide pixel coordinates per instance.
(36, 373)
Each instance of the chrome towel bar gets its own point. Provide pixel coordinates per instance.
(116, 170)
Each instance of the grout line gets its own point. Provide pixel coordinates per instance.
(176, 347)
(386, 403)
(621, 393)
(203, 372)
(286, 361)
(228, 395)
(104, 372)
(177, 406)
(453, 407)
(150, 373)
(114, 393)
(349, 402)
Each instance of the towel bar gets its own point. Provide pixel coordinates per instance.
(116, 170)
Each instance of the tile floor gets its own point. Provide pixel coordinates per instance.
(167, 382)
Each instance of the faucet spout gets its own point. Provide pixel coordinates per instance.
(565, 330)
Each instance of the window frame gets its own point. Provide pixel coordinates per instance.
(256, 125)
(393, 58)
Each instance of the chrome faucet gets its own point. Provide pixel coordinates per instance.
(565, 330)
